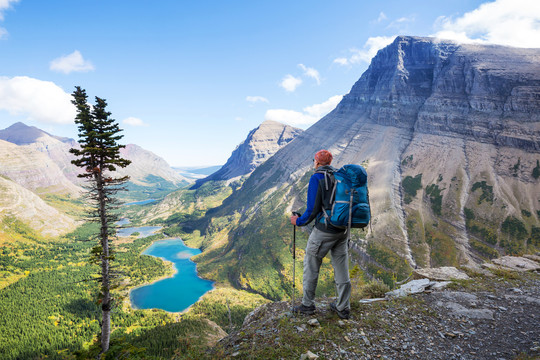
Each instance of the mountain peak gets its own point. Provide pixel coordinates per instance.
(261, 143)
(21, 134)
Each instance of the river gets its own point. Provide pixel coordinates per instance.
(176, 293)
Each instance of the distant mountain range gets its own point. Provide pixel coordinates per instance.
(194, 173)
(41, 163)
(450, 136)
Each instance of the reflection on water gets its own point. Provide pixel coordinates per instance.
(183, 255)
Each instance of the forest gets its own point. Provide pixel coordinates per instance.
(50, 283)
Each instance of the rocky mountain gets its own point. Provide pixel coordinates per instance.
(34, 170)
(24, 205)
(450, 136)
(54, 147)
(145, 164)
(260, 144)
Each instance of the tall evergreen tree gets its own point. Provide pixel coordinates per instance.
(99, 155)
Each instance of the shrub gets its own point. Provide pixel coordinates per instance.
(435, 197)
(411, 185)
(487, 191)
(374, 289)
(536, 170)
(514, 227)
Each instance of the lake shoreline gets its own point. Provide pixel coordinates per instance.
(167, 276)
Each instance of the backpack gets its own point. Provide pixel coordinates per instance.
(349, 200)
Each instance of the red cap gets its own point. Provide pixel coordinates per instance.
(323, 157)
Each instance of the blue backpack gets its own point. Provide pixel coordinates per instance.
(349, 199)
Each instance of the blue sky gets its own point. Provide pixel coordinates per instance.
(189, 79)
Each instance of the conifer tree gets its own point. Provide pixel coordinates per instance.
(99, 156)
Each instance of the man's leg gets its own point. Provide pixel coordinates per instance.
(312, 264)
(340, 262)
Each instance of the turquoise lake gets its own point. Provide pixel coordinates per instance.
(179, 292)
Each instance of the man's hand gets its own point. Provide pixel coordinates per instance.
(293, 219)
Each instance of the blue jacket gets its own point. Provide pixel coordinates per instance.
(318, 196)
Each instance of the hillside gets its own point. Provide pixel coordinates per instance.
(449, 136)
(17, 202)
(490, 316)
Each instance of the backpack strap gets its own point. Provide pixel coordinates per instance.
(349, 225)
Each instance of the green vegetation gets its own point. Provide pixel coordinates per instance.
(373, 289)
(514, 227)
(443, 251)
(156, 188)
(516, 233)
(487, 192)
(99, 156)
(515, 168)
(407, 160)
(534, 240)
(410, 186)
(484, 249)
(393, 267)
(469, 214)
(49, 284)
(525, 213)
(435, 198)
(536, 170)
(65, 203)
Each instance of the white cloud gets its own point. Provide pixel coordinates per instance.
(381, 17)
(254, 99)
(73, 62)
(290, 83)
(319, 110)
(504, 22)
(133, 121)
(310, 72)
(4, 5)
(372, 45)
(42, 101)
(308, 116)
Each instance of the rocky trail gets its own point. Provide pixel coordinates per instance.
(493, 314)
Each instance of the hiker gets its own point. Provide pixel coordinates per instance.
(323, 239)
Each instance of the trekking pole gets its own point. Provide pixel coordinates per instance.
(294, 264)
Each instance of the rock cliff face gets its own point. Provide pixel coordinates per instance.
(260, 144)
(450, 137)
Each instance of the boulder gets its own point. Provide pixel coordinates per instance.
(444, 273)
(517, 263)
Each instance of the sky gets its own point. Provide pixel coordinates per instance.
(188, 80)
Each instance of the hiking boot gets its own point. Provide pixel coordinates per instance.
(343, 314)
(305, 310)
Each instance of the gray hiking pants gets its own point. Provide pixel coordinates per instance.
(319, 244)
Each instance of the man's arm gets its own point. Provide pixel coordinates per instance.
(308, 215)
